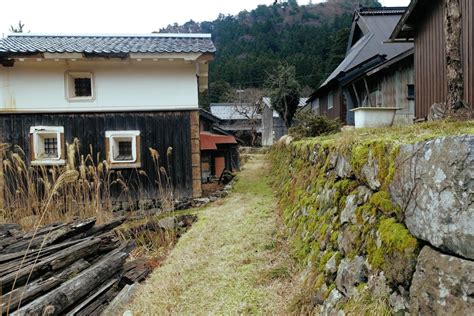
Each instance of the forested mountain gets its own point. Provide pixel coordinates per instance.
(311, 37)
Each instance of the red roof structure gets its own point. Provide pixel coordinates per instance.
(210, 141)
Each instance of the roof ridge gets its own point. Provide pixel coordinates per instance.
(151, 35)
(381, 10)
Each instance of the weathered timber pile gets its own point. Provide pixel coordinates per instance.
(76, 268)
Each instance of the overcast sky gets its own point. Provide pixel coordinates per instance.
(120, 16)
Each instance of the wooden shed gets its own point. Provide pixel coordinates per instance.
(219, 148)
(423, 24)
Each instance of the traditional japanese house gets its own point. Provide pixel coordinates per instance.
(374, 73)
(118, 94)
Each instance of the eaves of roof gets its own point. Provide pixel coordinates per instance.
(402, 31)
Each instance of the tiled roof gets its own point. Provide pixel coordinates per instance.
(107, 44)
(382, 11)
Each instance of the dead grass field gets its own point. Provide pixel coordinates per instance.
(234, 260)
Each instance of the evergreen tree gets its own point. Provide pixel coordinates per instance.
(284, 91)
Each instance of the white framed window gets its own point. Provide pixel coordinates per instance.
(46, 145)
(123, 149)
(330, 100)
(79, 86)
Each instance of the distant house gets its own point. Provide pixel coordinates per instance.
(423, 24)
(118, 94)
(374, 73)
(273, 125)
(219, 148)
(243, 120)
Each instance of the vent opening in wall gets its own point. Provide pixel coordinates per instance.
(80, 86)
(123, 149)
(46, 144)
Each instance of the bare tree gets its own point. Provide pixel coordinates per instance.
(18, 29)
(248, 104)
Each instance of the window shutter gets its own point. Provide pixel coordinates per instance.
(107, 150)
(138, 144)
(62, 144)
(31, 147)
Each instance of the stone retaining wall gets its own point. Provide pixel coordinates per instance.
(380, 225)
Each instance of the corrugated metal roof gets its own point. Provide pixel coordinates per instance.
(107, 44)
(373, 43)
(233, 111)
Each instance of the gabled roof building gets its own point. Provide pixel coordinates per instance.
(349, 85)
(119, 95)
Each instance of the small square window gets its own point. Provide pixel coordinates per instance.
(123, 149)
(46, 145)
(79, 86)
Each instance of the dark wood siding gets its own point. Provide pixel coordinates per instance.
(468, 48)
(159, 130)
(430, 56)
(338, 110)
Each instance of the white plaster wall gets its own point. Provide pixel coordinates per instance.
(39, 86)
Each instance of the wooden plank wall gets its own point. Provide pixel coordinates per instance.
(159, 130)
(468, 48)
(430, 52)
(338, 111)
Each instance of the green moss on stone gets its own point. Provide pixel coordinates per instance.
(396, 237)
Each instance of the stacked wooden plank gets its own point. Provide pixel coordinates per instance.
(75, 269)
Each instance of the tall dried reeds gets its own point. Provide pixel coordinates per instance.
(27, 189)
(31, 192)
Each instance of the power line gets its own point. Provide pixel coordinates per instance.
(263, 81)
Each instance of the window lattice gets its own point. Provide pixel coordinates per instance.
(51, 147)
(83, 87)
(124, 150)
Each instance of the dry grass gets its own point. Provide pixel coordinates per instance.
(233, 260)
(27, 189)
(401, 134)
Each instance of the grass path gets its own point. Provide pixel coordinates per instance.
(233, 260)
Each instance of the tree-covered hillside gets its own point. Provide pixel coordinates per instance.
(311, 37)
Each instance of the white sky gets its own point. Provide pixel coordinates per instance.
(120, 16)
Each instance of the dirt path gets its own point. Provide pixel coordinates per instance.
(233, 260)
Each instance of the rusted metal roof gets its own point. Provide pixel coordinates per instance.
(209, 141)
(107, 44)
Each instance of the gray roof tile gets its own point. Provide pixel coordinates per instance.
(110, 44)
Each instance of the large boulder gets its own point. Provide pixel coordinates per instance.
(442, 285)
(434, 184)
